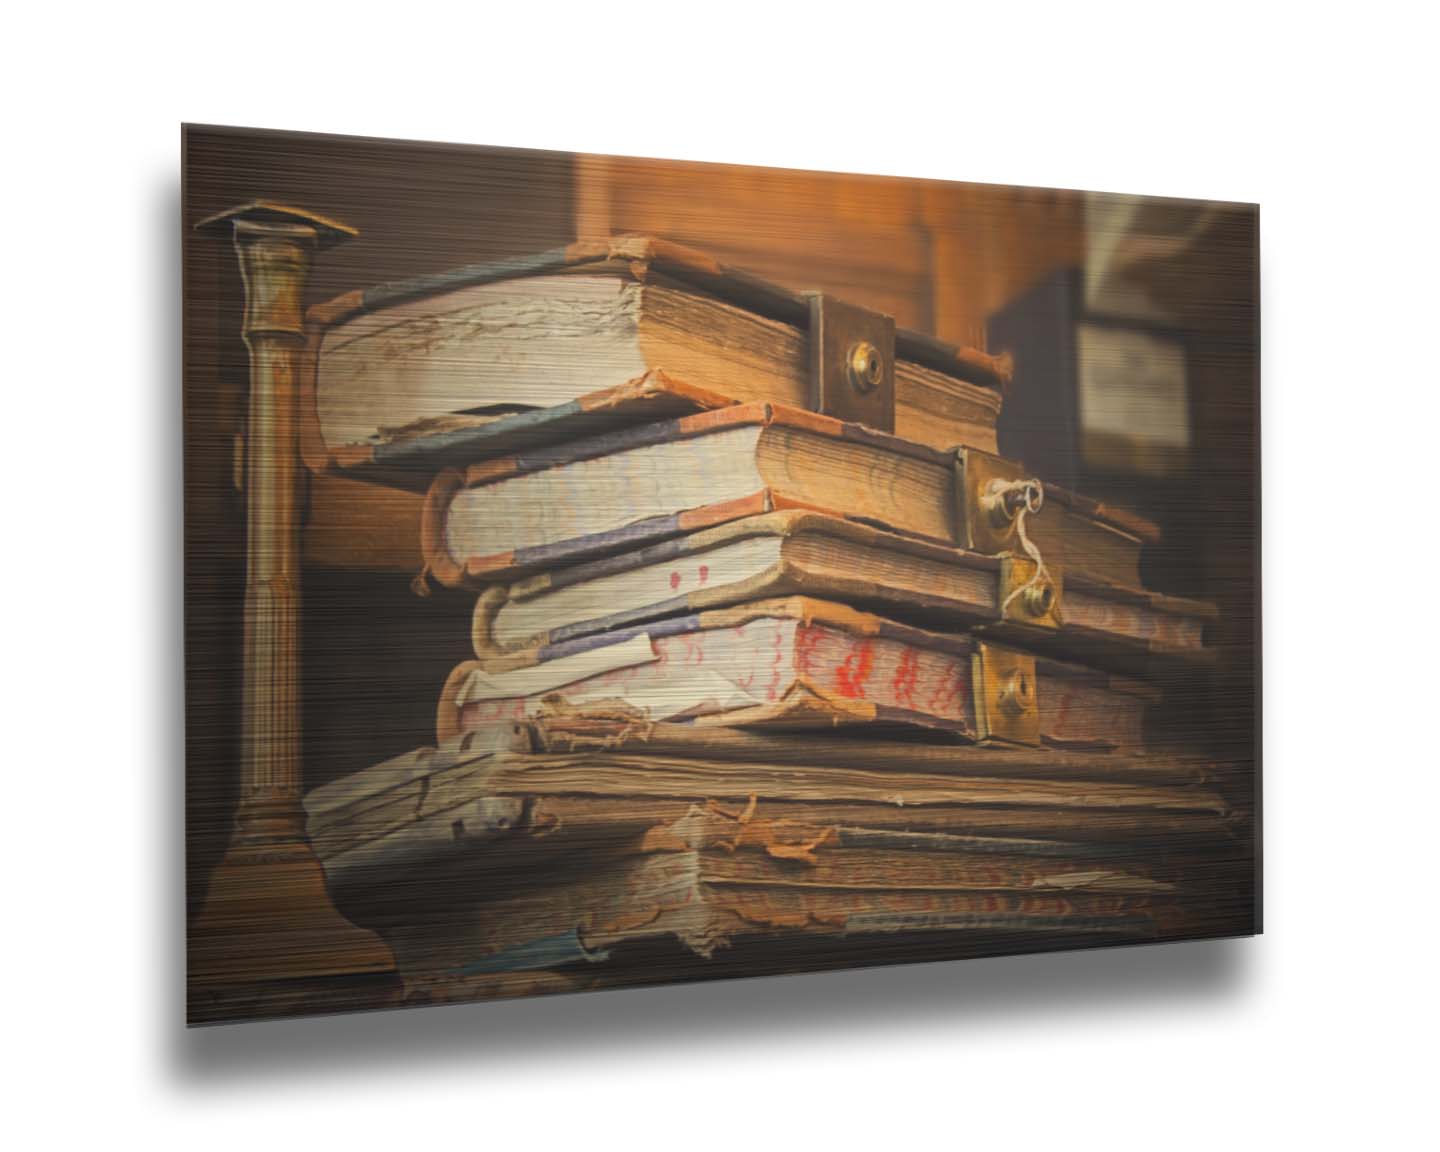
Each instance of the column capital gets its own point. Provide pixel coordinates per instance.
(275, 244)
(259, 217)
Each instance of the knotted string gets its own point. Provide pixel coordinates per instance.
(1032, 500)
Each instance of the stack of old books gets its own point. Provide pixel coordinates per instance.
(776, 662)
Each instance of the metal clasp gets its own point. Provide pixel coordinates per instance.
(852, 363)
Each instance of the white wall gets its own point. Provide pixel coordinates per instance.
(1321, 1029)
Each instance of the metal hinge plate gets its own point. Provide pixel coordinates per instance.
(989, 492)
(983, 527)
(1025, 600)
(852, 363)
(1007, 705)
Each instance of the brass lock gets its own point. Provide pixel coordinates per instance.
(852, 363)
(991, 494)
(1004, 500)
(1025, 600)
(1007, 706)
(866, 367)
(1039, 598)
(1017, 694)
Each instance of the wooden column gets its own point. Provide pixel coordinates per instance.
(267, 916)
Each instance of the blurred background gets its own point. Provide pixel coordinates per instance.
(1133, 323)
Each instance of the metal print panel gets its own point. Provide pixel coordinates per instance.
(603, 572)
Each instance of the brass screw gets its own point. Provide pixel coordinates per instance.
(1039, 598)
(866, 366)
(1002, 502)
(1018, 695)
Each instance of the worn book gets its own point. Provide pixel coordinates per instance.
(552, 785)
(721, 877)
(621, 490)
(546, 845)
(448, 354)
(799, 662)
(793, 552)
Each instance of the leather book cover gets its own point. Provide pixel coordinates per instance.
(635, 259)
(1067, 523)
(918, 581)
